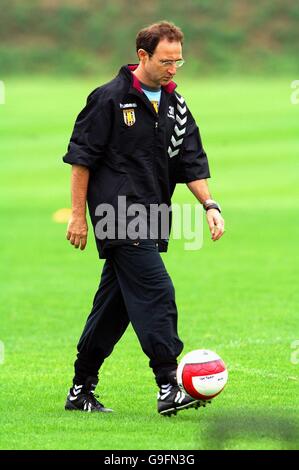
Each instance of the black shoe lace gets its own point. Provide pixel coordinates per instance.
(92, 398)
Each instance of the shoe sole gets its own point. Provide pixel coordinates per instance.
(194, 404)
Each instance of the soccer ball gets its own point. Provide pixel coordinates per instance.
(202, 374)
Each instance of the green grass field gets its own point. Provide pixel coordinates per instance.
(238, 296)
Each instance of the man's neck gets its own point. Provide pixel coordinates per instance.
(150, 88)
(144, 79)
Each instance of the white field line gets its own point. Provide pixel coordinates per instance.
(259, 372)
(258, 341)
(239, 343)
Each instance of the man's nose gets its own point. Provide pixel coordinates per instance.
(172, 69)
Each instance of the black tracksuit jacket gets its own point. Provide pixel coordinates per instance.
(132, 151)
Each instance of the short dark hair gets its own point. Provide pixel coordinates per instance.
(148, 38)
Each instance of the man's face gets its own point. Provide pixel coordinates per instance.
(159, 72)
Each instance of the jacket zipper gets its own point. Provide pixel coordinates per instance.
(154, 160)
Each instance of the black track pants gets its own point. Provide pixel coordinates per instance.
(135, 287)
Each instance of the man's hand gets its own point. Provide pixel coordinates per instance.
(77, 232)
(216, 223)
(77, 228)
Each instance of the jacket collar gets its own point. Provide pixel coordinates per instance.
(127, 70)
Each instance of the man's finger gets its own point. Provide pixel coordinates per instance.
(211, 225)
(77, 241)
(83, 242)
(214, 232)
(72, 238)
(219, 231)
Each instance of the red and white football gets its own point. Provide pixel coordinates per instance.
(202, 374)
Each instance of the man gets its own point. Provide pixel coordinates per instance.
(131, 144)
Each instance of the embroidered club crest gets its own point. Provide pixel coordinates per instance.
(129, 116)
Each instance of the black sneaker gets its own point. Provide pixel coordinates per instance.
(82, 398)
(172, 399)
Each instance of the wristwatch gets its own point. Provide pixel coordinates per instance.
(211, 204)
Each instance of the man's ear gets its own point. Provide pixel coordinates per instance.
(142, 55)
